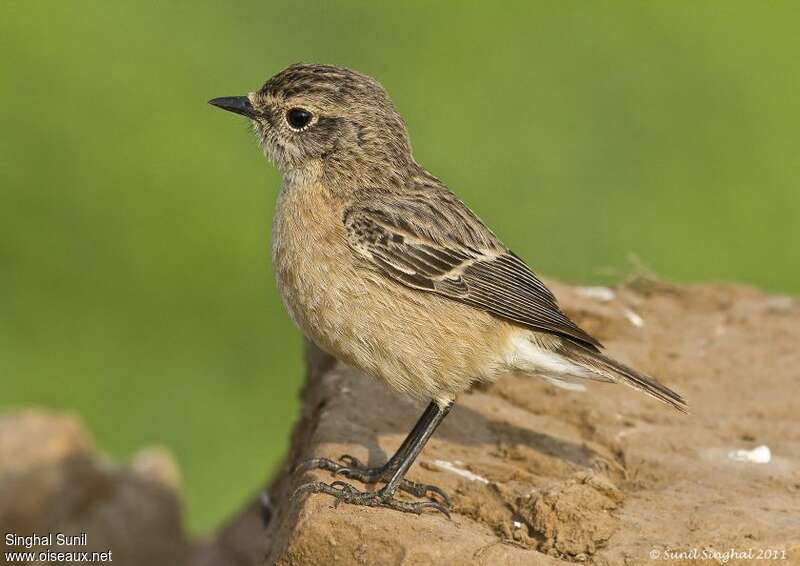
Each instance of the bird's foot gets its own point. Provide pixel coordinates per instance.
(351, 467)
(346, 493)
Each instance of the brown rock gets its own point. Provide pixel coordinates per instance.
(51, 481)
(605, 477)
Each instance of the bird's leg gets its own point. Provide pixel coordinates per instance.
(351, 467)
(393, 472)
(355, 469)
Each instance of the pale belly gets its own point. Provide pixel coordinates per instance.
(421, 344)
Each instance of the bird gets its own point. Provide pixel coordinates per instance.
(381, 265)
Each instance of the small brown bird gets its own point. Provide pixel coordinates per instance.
(386, 269)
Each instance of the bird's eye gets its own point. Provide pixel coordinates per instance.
(298, 118)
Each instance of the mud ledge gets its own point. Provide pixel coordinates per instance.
(541, 475)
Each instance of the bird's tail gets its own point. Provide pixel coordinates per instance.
(613, 370)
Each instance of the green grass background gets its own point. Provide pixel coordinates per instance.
(135, 285)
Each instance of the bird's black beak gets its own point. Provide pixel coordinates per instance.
(237, 104)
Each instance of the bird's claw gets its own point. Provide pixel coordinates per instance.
(352, 468)
(346, 493)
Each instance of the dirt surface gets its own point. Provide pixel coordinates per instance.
(541, 475)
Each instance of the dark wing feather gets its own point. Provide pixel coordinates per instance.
(439, 246)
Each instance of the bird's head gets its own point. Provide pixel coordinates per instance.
(318, 120)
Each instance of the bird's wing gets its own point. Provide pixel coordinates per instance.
(434, 243)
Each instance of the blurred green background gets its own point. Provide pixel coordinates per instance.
(135, 285)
